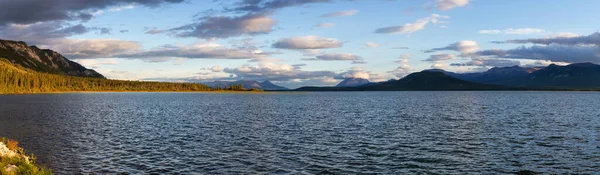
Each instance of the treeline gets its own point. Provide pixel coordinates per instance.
(16, 79)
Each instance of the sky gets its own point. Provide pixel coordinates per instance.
(298, 43)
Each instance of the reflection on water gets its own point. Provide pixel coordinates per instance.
(314, 133)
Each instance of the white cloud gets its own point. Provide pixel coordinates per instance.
(406, 56)
(450, 4)
(216, 68)
(372, 44)
(95, 63)
(325, 25)
(512, 31)
(465, 47)
(340, 13)
(120, 8)
(409, 28)
(441, 57)
(307, 42)
(438, 66)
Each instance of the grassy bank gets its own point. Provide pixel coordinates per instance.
(13, 160)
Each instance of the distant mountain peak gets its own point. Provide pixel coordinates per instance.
(247, 84)
(353, 82)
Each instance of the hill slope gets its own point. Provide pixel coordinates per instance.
(43, 60)
(16, 79)
(432, 81)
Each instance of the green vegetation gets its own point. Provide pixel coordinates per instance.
(13, 160)
(16, 79)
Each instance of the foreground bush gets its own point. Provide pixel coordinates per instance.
(13, 160)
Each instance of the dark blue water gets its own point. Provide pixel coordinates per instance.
(309, 133)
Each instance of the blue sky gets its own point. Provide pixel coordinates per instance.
(306, 42)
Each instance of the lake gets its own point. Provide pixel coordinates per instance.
(308, 133)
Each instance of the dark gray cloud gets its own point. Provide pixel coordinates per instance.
(225, 26)
(32, 11)
(553, 52)
(592, 39)
(41, 33)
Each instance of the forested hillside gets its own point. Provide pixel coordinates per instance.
(16, 79)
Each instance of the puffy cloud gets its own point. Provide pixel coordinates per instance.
(30, 11)
(325, 25)
(406, 56)
(511, 31)
(465, 47)
(216, 68)
(196, 51)
(570, 39)
(441, 57)
(450, 4)
(340, 13)
(401, 71)
(404, 68)
(409, 28)
(552, 52)
(372, 44)
(307, 42)
(225, 27)
(355, 72)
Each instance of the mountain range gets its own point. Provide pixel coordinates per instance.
(247, 84)
(577, 76)
(42, 60)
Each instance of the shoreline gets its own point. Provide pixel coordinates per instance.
(216, 91)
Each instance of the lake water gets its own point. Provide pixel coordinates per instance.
(308, 133)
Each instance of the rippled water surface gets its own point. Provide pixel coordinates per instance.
(308, 133)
